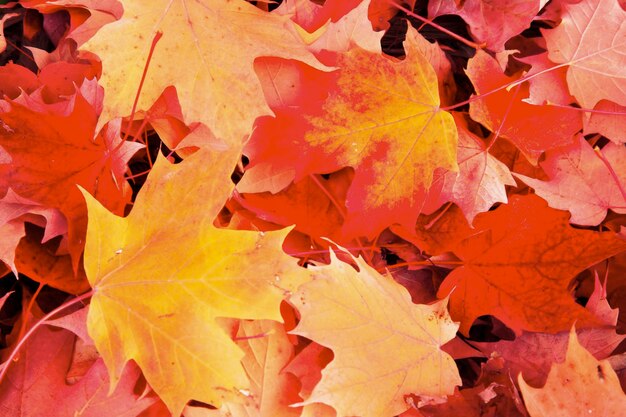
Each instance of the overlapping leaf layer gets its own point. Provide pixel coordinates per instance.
(308, 208)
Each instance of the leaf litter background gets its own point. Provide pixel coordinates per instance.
(312, 208)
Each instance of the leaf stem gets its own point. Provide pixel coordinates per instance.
(8, 41)
(330, 195)
(593, 111)
(438, 27)
(439, 216)
(506, 86)
(29, 308)
(255, 336)
(496, 134)
(157, 37)
(427, 262)
(139, 174)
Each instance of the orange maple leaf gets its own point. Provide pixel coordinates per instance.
(517, 266)
(65, 155)
(533, 129)
(533, 353)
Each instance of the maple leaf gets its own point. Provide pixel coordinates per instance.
(357, 143)
(461, 403)
(532, 354)
(518, 263)
(382, 118)
(15, 78)
(290, 85)
(533, 129)
(481, 180)
(391, 119)
(13, 208)
(264, 177)
(591, 42)
(592, 383)
(165, 118)
(36, 384)
(583, 182)
(352, 313)
(307, 366)
(437, 58)
(616, 285)
(56, 80)
(60, 79)
(76, 323)
(12, 232)
(218, 86)
(65, 154)
(162, 275)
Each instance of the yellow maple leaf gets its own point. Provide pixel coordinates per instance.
(162, 275)
(207, 52)
(384, 120)
(385, 346)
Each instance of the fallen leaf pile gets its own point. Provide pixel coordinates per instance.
(309, 208)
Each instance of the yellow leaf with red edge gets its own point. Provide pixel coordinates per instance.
(207, 52)
(384, 119)
(162, 275)
(376, 114)
(385, 347)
